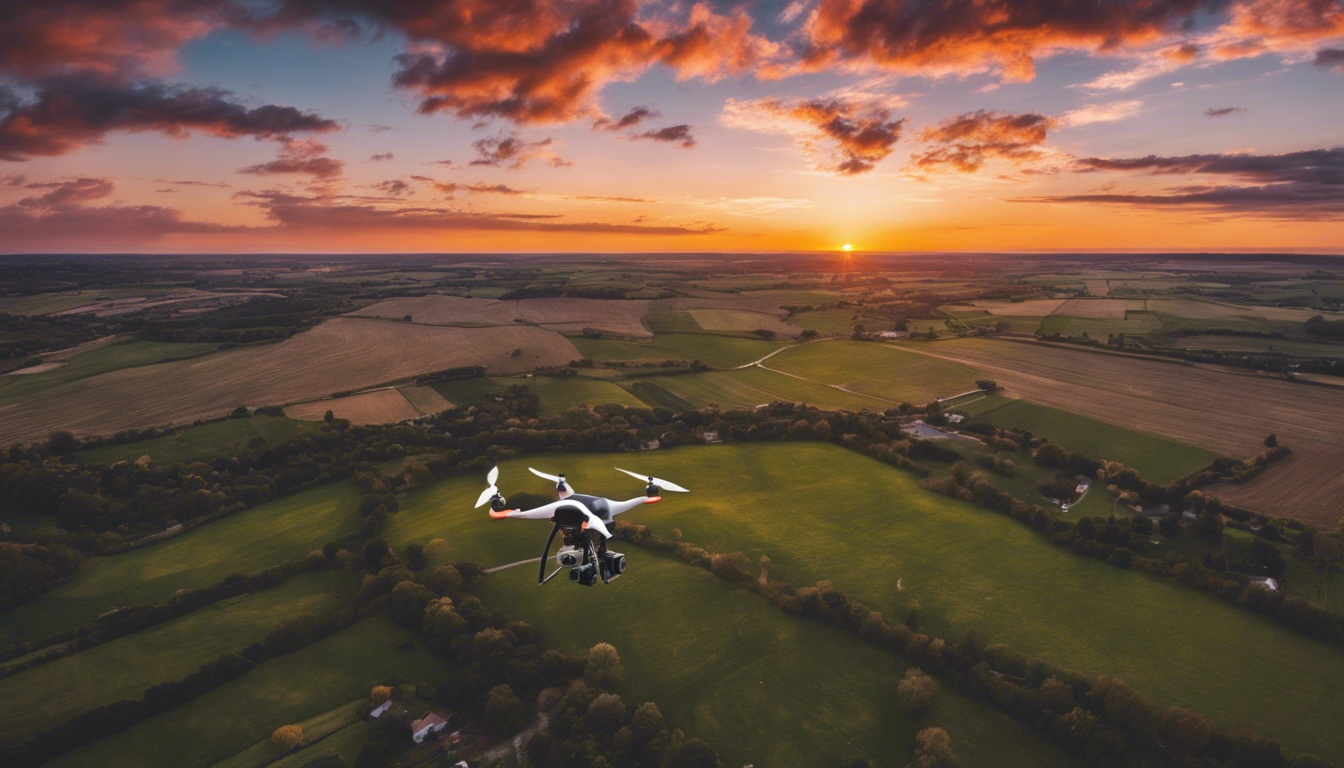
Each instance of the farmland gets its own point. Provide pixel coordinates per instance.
(732, 669)
(243, 542)
(125, 667)
(1157, 459)
(715, 351)
(340, 354)
(560, 394)
(211, 439)
(92, 362)
(748, 387)
(565, 315)
(379, 406)
(968, 568)
(1307, 486)
(879, 370)
(288, 689)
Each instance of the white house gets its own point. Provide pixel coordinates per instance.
(956, 418)
(422, 728)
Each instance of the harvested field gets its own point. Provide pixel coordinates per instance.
(39, 368)
(426, 400)
(1306, 486)
(1098, 287)
(1112, 309)
(340, 354)
(564, 315)
(1033, 308)
(1199, 309)
(62, 355)
(378, 407)
(1225, 411)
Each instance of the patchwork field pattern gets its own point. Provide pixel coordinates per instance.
(560, 314)
(1307, 485)
(340, 354)
(1096, 308)
(380, 406)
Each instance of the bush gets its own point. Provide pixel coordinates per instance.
(380, 694)
(916, 691)
(286, 737)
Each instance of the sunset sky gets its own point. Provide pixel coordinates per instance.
(615, 125)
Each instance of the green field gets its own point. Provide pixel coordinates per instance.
(343, 731)
(1261, 345)
(1158, 459)
(211, 439)
(882, 370)
(125, 667)
(284, 690)
(748, 387)
(760, 685)
(110, 358)
(470, 391)
(821, 512)
(826, 320)
(560, 394)
(46, 303)
(715, 351)
(244, 542)
(663, 318)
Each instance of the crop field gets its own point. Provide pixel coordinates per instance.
(50, 303)
(730, 668)
(288, 689)
(820, 512)
(826, 320)
(735, 321)
(1029, 308)
(243, 542)
(82, 364)
(1225, 411)
(426, 400)
(381, 406)
(1095, 308)
(125, 667)
(712, 350)
(564, 315)
(748, 387)
(340, 354)
(1307, 486)
(560, 394)
(1159, 460)
(882, 370)
(1098, 287)
(212, 439)
(469, 391)
(1293, 347)
(1203, 309)
(663, 317)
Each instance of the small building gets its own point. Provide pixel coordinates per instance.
(956, 418)
(893, 334)
(711, 436)
(381, 708)
(650, 445)
(1270, 583)
(422, 728)
(1081, 489)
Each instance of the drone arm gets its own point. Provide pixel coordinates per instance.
(543, 512)
(620, 507)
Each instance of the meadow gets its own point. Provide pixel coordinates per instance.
(286, 689)
(880, 370)
(211, 439)
(125, 667)
(564, 315)
(113, 357)
(560, 394)
(749, 388)
(244, 542)
(820, 512)
(712, 350)
(1158, 459)
(728, 667)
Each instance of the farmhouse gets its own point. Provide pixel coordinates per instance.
(430, 723)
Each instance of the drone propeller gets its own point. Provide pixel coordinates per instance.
(666, 485)
(562, 485)
(490, 492)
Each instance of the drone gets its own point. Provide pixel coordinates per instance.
(582, 521)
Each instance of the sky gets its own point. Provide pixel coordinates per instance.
(484, 126)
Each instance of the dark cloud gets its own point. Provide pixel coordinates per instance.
(450, 188)
(381, 156)
(967, 141)
(1330, 58)
(513, 153)
(191, 183)
(1223, 111)
(841, 136)
(630, 119)
(300, 156)
(71, 111)
(394, 187)
(672, 134)
(66, 194)
(1296, 185)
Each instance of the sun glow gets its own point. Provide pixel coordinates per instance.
(846, 247)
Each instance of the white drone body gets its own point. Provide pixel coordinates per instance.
(584, 522)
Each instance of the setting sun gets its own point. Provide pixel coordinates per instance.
(847, 247)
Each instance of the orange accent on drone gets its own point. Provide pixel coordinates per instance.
(501, 515)
(653, 499)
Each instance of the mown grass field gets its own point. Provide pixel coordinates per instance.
(748, 387)
(820, 512)
(559, 395)
(49, 695)
(1158, 459)
(826, 320)
(760, 685)
(284, 690)
(212, 439)
(469, 391)
(102, 360)
(244, 542)
(712, 350)
(343, 731)
(882, 370)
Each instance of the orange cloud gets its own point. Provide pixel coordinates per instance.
(840, 136)
(968, 141)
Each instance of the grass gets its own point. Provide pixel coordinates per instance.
(125, 667)
(820, 512)
(288, 689)
(726, 666)
(110, 358)
(826, 320)
(748, 387)
(663, 318)
(244, 542)
(468, 391)
(560, 394)
(210, 439)
(712, 350)
(1158, 459)
(47, 303)
(342, 732)
(882, 370)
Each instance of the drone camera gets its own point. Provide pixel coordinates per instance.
(585, 574)
(568, 555)
(613, 564)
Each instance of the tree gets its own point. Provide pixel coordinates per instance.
(604, 666)
(606, 713)
(933, 749)
(988, 385)
(916, 691)
(1271, 440)
(62, 443)
(692, 753)
(647, 720)
(329, 416)
(504, 712)
(380, 694)
(1187, 729)
(286, 737)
